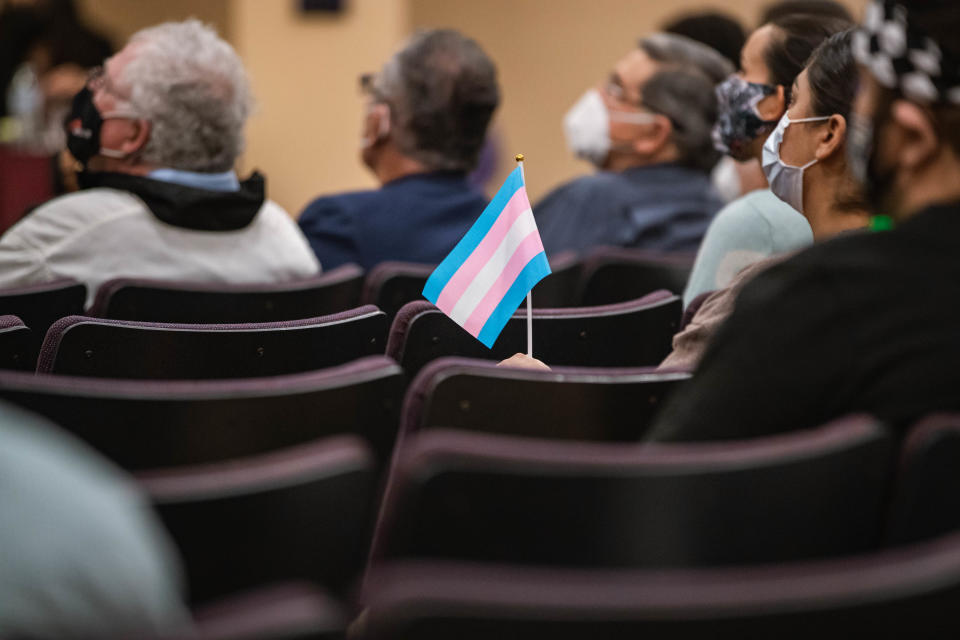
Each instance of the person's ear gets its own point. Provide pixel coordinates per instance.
(774, 105)
(831, 137)
(137, 137)
(918, 138)
(654, 136)
(377, 124)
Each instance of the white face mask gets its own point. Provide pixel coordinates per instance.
(587, 126)
(786, 181)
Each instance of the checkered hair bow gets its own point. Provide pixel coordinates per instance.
(901, 57)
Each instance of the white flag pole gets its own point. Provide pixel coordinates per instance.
(519, 159)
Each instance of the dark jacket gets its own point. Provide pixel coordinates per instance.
(868, 322)
(662, 207)
(418, 218)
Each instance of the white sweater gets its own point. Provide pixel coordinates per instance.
(98, 234)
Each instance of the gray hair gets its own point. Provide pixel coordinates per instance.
(192, 87)
(687, 98)
(674, 49)
(442, 91)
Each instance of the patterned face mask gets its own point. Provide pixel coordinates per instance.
(738, 122)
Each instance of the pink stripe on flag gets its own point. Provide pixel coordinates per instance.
(460, 280)
(529, 248)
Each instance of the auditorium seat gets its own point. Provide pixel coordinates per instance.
(613, 274)
(296, 514)
(390, 285)
(570, 403)
(287, 611)
(83, 346)
(142, 424)
(630, 334)
(494, 498)
(559, 289)
(15, 344)
(926, 500)
(217, 303)
(906, 593)
(39, 306)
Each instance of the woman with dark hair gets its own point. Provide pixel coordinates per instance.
(805, 161)
(751, 103)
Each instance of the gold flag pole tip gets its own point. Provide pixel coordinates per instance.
(519, 157)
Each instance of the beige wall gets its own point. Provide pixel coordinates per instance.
(121, 18)
(305, 132)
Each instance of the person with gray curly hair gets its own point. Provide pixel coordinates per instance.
(426, 121)
(157, 131)
(647, 129)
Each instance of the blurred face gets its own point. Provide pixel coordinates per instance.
(109, 96)
(753, 68)
(623, 93)
(800, 140)
(376, 121)
(890, 141)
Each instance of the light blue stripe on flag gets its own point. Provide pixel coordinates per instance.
(537, 269)
(468, 244)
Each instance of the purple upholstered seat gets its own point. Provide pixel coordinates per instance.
(908, 593)
(38, 306)
(168, 301)
(573, 403)
(390, 285)
(494, 498)
(614, 274)
(292, 611)
(926, 501)
(630, 334)
(15, 344)
(79, 345)
(295, 514)
(141, 424)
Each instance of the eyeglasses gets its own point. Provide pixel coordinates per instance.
(616, 91)
(368, 87)
(97, 79)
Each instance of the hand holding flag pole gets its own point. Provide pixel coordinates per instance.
(494, 266)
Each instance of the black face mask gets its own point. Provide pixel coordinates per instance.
(83, 125)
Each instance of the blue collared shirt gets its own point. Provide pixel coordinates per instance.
(226, 181)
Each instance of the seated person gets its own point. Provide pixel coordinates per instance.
(158, 131)
(425, 124)
(864, 322)
(81, 553)
(648, 131)
(751, 103)
(805, 162)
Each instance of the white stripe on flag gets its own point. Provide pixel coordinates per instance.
(476, 290)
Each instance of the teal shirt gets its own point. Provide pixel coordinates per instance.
(745, 231)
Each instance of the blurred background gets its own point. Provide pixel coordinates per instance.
(304, 66)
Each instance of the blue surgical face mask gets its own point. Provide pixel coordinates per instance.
(786, 181)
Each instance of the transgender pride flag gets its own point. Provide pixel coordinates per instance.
(493, 267)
